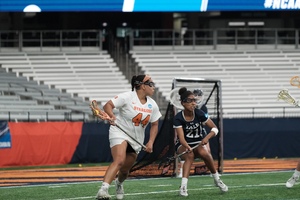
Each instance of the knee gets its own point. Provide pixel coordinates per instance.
(119, 161)
(189, 157)
(205, 156)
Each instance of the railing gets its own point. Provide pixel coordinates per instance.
(216, 38)
(51, 38)
(154, 38)
(261, 112)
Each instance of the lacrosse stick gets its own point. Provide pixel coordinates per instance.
(167, 162)
(104, 116)
(285, 96)
(295, 81)
(175, 98)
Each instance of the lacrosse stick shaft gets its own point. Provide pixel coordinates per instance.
(185, 152)
(168, 162)
(142, 145)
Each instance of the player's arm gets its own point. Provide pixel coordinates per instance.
(108, 108)
(213, 131)
(153, 134)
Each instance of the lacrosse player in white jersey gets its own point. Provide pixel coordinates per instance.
(136, 110)
(295, 177)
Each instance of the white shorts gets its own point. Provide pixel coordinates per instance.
(116, 137)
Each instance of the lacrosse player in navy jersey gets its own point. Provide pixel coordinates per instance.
(188, 124)
(136, 110)
(295, 177)
(200, 97)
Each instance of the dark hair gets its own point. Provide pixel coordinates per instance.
(136, 81)
(184, 93)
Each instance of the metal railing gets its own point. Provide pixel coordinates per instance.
(153, 38)
(215, 38)
(51, 38)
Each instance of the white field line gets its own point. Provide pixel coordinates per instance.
(143, 179)
(209, 187)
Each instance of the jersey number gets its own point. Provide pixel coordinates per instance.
(193, 134)
(137, 120)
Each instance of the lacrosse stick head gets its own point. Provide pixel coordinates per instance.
(175, 98)
(98, 112)
(295, 81)
(94, 107)
(199, 96)
(285, 96)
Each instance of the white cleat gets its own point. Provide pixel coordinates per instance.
(183, 191)
(291, 182)
(103, 194)
(119, 190)
(219, 183)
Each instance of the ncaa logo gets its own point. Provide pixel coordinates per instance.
(149, 105)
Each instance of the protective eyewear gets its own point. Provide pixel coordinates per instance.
(150, 84)
(189, 100)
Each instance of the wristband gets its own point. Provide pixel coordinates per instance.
(215, 130)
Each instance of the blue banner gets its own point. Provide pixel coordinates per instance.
(5, 137)
(147, 5)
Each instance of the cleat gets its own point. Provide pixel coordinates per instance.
(221, 185)
(291, 182)
(119, 190)
(103, 194)
(183, 191)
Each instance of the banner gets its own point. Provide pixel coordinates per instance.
(5, 138)
(45, 143)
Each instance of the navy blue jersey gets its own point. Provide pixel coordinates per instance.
(193, 130)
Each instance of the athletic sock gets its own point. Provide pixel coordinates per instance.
(215, 175)
(105, 185)
(118, 182)
(184, 181)
(297, 173)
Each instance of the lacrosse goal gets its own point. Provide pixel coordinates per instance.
(147, 164)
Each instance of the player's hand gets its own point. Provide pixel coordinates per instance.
(149, 147)
(112, 121)
(189, 149)
(204, 141)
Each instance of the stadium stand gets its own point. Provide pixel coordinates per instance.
(23, 100)
(87, 75)
(250, 79)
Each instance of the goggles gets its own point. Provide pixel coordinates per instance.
(150, 84)
(189, 100)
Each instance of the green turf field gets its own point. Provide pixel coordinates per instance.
(250, 186)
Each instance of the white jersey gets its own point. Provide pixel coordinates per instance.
(133, 117)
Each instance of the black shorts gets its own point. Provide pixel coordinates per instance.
(130, 149)
(177, 145)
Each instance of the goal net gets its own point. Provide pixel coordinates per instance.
(163, 148)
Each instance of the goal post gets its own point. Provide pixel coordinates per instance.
(148, 165)
(212, 92)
